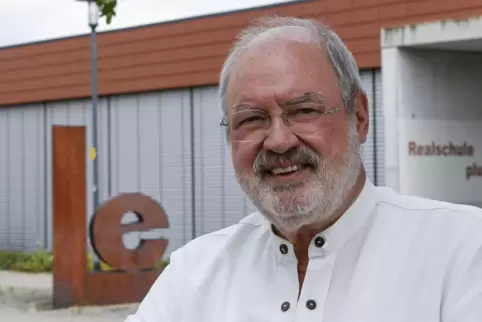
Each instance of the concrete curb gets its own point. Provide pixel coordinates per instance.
(31, 281)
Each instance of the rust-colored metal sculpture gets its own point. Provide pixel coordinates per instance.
(133, 273)
(69, 209)
(106, 232)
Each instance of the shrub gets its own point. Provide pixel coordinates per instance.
(42, 261)
(39, 261)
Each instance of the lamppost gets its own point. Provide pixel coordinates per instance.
(93, 23)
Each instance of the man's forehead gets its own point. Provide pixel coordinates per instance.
(284, 33)
(278, 66)
(286, 41)
(296, 43)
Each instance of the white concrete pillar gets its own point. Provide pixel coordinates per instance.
(390, 81)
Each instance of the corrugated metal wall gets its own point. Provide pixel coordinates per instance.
(379, 127)
(72, 113)
(22, 177)
(150, 152)
(373, 149)
(168, 145)
(219, 200)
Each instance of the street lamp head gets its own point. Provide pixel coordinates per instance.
(93, 12)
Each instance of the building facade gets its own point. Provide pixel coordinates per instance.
(432, 74)
(159, 114)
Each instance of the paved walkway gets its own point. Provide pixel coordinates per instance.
(27, 297)
(59, 316)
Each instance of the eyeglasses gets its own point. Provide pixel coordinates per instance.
(252, 125)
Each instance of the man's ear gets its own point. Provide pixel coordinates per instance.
(362, 115)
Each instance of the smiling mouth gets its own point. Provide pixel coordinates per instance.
(286, 171)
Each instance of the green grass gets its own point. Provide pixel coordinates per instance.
(42, 262)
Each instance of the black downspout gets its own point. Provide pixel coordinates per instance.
(193, 165)
(375, 136)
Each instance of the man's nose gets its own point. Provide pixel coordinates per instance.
(280, 138)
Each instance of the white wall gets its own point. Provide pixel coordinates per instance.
(433, 99)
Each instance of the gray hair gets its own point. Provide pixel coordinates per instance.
(339, 56)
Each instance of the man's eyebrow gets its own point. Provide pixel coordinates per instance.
(306, 97)
(242, 107)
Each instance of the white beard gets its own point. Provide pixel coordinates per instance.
(292, 207)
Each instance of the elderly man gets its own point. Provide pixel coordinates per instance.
(326, 244)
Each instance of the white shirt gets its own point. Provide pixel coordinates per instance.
(389, 258)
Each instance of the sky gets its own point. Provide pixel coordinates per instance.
(24, 21)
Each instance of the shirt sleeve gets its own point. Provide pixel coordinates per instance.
(463, 300)
(163, 302)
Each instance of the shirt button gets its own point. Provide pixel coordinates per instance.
(283, 249)
(311, 305)
(319, 241)
(285, 306)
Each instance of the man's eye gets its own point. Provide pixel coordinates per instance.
(306, 110)
(249, 120)
(252, 119)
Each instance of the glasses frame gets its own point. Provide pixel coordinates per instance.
(336, 109)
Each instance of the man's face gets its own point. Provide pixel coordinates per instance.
(295, 175)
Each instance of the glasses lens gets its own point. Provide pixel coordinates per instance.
(249, 125)
(254, 125)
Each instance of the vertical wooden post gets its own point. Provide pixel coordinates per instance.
(69, 214)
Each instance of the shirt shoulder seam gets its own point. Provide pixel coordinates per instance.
(478, 213)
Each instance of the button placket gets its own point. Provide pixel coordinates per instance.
(317, 281)
(286, 282)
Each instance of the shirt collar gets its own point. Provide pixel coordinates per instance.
(333, 238)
